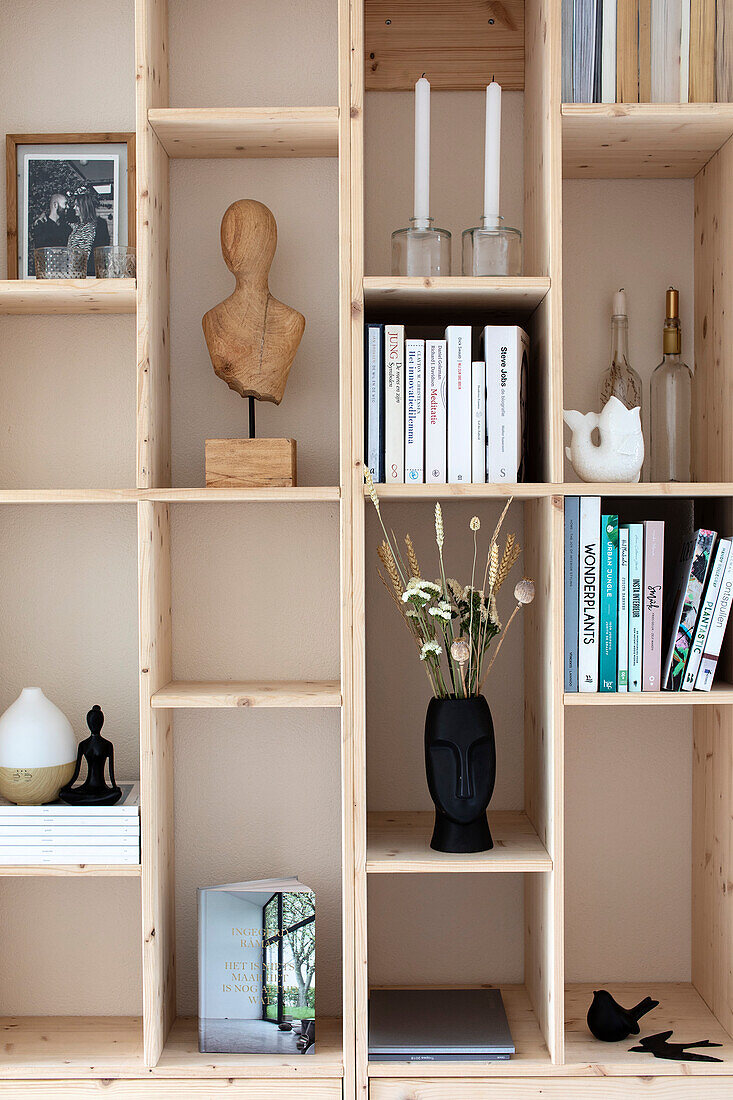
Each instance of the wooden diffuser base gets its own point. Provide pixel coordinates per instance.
(250, 463)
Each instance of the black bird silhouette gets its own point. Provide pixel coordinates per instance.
(611, 1023)
(659, 1046)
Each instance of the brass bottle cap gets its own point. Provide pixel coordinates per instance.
(673, 302)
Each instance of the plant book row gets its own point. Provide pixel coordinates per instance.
(622, 631)
(433, 412)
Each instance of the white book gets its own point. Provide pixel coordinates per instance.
(20, 832)
(608, 53)
(394, 403)
(622, 635)
(128, 806)
(707, 610)
(414, 416)
(458, 338)
(506, 351)
(685, 51)
(436, 411)
(478, 421)
(636, 603)
(709, 662)
(588, 594)
(666, 45)
(10, 859)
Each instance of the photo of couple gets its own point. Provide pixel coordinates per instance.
(72, 203)
(72, 220)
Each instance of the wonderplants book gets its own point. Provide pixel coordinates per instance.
(257, 976)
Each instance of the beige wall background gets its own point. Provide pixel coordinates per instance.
(254, 587)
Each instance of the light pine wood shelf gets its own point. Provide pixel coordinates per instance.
(181, 1057)
(413, 293)
(681, 1009)
(469, 491)
(399, 843)
(286, 495)
(226, 693)
(719, 694)
(642, 140)
(58, 296)
(43, 1047)
(531, 1059)
(70, 870)
(246, 132)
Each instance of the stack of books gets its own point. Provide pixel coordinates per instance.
(621, 632)
(58, 834)
(436, 413)
(647, 51)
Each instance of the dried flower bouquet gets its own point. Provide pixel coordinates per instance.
(452, 624)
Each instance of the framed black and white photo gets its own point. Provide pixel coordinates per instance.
(68, 189)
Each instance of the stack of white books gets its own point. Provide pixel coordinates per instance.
(57, 834)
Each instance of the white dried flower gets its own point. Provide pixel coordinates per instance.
(411, 613)
(430, 649)
(524, 590)
(440, 613)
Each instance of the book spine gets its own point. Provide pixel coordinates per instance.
(608, 62)
(724, 51)
(707, 611)
(436, 420)
(645, 51)
(636, 604)
(684, 77)
(598, 52)
(567, 51)
(627, 50)
(506, 351)
(608, 665)
(415, 421)
(374, 400)
(394, 403)
(30, 853)
(711, 653)
(458, 338)
(26, 816)
(623, 609)
(653, 591)
(702, 51)
(691, 600)
(572, 579)
(202, 931)
(60, 834)
(478, 422)
(588, 597)
(666, 40)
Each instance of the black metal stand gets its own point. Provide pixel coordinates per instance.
(251, 418)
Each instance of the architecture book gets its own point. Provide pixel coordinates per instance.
(572, 577)
(394, 403)
(686, 611)
(257, 958)
(588, 598)
(707, 611)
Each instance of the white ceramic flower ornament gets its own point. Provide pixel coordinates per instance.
(619, 455)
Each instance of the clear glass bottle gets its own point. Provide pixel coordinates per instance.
(620, 380)
(671, 403)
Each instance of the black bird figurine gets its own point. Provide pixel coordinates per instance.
(611, 1023)
(660, 1047)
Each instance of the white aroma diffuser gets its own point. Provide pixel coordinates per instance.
(37, 749)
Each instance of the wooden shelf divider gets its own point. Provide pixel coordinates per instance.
(58, 296)
(246, 132)
(226, 693)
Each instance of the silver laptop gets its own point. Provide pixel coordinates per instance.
(418, 1025)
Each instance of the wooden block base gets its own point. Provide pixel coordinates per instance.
(250, 463)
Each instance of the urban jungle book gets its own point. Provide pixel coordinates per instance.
(257, 959)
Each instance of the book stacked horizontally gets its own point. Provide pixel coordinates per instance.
(58, 834)
(622, 633)
(647, 51)
(436, 412)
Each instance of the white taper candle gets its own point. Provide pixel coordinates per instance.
(492, 153)
(422, 150)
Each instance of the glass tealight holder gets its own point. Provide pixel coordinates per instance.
(420, 249)
(114, 261)
(492, 249)
(60, 262)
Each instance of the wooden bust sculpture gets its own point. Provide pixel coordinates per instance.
(252, 337)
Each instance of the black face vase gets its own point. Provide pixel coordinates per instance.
(460, 760)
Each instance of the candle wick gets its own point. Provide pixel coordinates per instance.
(423, 76)
(493, 78)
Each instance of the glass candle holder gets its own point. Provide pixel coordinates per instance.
(420, 249)
(492, 249)
(114, 261)
(60, 262)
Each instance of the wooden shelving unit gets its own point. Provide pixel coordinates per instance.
(156, 1054)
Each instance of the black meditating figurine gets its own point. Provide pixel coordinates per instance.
(460, 760)
(97, 751)
(611, 1023)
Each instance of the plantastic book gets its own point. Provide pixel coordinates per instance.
(694, 572)
(609, 603)
(707, 610)
(257, 958)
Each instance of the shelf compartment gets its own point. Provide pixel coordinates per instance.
(70, 870)
(387, 294)
(246, 132)
(399, 843)
(681, 1008)
(719, 694)
(642, 140)
(181, 1057)
(235, 693)
(531, 1059)
(57, 296)
(42, 1047)
(285, 494)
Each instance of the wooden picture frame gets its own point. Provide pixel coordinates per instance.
(12, 144)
